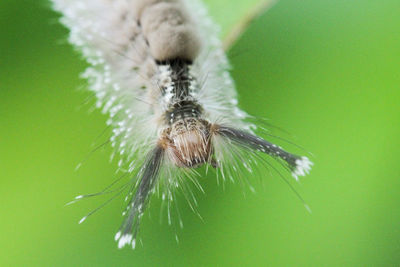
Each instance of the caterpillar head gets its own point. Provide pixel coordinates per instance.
(188, 142)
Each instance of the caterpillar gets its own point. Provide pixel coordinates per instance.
(157, 67)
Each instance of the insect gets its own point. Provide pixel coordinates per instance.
(159, 70)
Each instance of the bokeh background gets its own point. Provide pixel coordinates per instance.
(328, 71)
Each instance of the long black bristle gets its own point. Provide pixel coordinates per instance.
(257, 143)
(149, 175)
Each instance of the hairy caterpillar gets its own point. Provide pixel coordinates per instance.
(158, 69)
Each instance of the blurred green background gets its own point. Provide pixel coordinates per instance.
(326, 70)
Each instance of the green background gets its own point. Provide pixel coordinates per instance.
(326, 70)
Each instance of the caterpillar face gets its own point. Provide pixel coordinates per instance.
(188, 142)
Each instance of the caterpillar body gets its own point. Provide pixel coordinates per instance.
(158, 69)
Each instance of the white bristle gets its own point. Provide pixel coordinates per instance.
(125, 239)
(303, 167)
(82, 220)
(308, 208)
(117, 235)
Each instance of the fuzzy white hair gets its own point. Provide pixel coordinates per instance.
(132, 46)
(122, 64)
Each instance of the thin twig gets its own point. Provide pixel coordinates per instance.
(246, 20)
